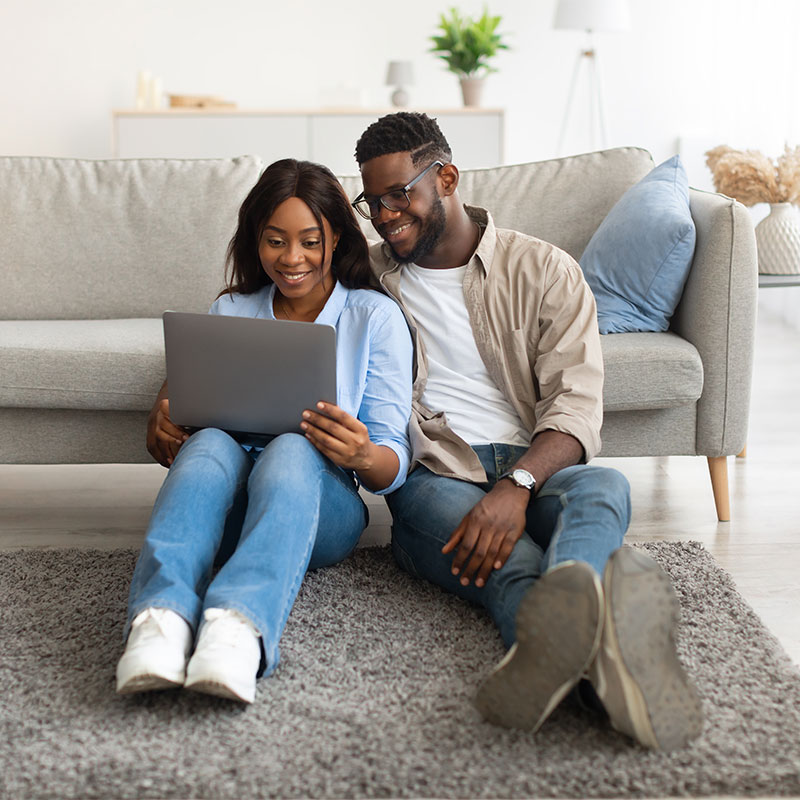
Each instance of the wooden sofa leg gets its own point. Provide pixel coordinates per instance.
(743, 454)
(718, 467)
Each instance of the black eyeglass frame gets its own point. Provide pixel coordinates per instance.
(405, 189)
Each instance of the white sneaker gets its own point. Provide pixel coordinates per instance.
(227, 656)
(156, 652)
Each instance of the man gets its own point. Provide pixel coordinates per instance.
(501, 506)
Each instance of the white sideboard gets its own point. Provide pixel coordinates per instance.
(328, 136)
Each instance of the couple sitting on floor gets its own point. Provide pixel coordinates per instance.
(470, 395)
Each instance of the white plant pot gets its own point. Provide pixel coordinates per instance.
(471, 90)
(778, 240)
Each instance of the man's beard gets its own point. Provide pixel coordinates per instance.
(430, 233)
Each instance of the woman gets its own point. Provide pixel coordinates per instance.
(297, 254)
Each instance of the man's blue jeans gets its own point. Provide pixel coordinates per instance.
(276, 513)
(581, 513)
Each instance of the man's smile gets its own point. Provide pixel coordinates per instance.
(390, 233)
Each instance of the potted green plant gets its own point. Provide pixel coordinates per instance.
(466, 45)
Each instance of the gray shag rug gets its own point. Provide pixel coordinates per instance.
(372, 698)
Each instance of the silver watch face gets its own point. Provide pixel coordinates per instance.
(523, 478)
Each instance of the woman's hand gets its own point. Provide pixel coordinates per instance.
(164, 438)
(339, 436)
(345, 441)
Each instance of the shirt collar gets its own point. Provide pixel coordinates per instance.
(331, 311)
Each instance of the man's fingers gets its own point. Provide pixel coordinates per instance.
(482, 560)
(455, 538)
(465, 547)
(482, 556)
(504, 553)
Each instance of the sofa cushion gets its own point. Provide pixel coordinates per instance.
(88, 364)
(638, 259)
(650, 370)
(116, 239)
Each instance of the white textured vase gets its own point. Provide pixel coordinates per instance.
(778, 239)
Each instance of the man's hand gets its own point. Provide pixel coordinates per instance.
(164, 438)
(487, 534)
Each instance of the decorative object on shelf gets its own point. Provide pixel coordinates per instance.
(198, 101)
(149, 92)
(751, 177)
(400, 74)
(466, 45)
(590, 16)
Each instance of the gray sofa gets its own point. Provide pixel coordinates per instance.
(91, 253)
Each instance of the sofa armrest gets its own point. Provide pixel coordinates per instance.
(717, 314)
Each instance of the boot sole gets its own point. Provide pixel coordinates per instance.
(656, 702)
(559, 625)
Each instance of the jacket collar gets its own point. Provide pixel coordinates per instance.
(483, 254)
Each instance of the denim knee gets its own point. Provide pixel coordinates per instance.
(288, 458)
(209, 440)
(593, 484)
(612, 486)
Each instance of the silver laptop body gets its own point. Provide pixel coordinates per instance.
(250, 377)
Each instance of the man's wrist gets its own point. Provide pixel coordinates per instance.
(521, 478)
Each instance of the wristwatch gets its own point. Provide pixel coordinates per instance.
(521, 478)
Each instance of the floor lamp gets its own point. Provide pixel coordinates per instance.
(590, 16)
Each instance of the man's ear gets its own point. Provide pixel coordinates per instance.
(448, 176)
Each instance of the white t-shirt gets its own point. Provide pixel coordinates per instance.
(458, 382)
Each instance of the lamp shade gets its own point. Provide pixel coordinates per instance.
(593, 15)
(400, 73)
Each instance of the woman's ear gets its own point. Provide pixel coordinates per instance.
(448, 175)
(335, 241)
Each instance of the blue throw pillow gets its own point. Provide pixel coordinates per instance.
(638, 259)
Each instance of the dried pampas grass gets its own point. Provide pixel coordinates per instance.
(750, 177)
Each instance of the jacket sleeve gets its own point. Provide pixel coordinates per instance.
(568, 364)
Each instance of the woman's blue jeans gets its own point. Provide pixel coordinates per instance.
(268, 515)
(581, 513)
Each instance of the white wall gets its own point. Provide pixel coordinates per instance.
(701, 71)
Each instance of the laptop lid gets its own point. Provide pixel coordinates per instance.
(250, 377)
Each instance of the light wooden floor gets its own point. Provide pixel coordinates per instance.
(108, 505)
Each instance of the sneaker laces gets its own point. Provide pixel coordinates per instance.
(153, 623)
(227, 628)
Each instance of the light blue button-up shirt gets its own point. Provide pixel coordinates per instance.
(373, 360)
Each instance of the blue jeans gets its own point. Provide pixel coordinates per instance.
(581, 513)
(268, 515)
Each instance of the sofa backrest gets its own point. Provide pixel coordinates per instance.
(118, 238)
(126, 238)
(562, 200)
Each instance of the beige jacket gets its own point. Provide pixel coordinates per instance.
(535, 325)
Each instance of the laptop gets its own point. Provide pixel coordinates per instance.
(252, 378)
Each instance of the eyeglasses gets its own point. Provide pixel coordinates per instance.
(396, 200)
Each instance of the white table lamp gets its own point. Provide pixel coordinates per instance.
(590, 16)
(400, 74)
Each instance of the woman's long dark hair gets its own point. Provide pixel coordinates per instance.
(318, 188)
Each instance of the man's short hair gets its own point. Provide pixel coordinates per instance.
(404, 132)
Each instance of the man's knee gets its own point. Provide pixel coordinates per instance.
(432, 504)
